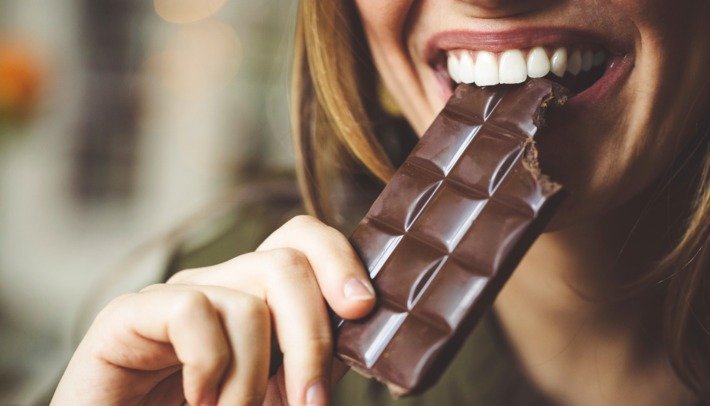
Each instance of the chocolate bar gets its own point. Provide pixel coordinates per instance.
(448, 230)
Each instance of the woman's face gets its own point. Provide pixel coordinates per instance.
(635, 108)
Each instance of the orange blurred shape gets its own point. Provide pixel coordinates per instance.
(20, 80)
(186, 11)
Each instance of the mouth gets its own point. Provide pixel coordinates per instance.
(586, 65)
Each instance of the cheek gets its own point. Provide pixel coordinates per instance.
(627, 143)
(655, 13)
(383, 19)
(386, 23)
(671, 90)
(383, 12)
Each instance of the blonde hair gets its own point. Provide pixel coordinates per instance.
(333, 110)
(686, 270)
(329, 99)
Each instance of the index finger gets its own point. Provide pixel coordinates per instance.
(339, 272)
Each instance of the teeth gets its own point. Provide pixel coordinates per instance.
(538, 64)
(598, 58)
(512, 67)
(587, 58)
(486, 71)
(467, 68)
(575, 63)
(558, 62)
(452, 65)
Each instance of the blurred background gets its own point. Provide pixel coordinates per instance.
(119, 119)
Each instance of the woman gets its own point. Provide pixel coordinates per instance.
(609, 306)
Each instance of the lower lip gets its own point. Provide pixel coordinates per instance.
(618, 70)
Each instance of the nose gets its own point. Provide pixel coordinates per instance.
(506, 8)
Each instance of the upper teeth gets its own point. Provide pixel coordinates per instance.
(512, 66)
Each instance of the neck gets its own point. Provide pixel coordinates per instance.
(578, 335)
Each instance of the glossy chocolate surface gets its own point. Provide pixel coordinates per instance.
(448, 230)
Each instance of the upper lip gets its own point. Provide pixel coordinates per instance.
(498, 41)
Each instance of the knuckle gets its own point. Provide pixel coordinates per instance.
(254, 309)
(152, 287)
(322, 343)
(190, 301)
(214, 358)
(120, 300)
(322, 232)
(183, 276)
(303, 220)
(114, 305)
(248, 308)
(289, 259)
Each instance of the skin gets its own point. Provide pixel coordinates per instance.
(204, 335)
(186, 339)
(576, 341)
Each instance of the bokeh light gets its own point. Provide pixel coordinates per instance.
(186, 11)
(118, 121)
(21, 79)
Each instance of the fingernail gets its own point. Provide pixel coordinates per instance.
(316, 395)
(356, 289)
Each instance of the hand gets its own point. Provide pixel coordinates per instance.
(204, 336)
